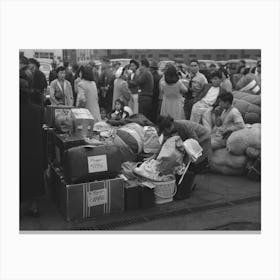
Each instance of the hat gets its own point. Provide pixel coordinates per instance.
(154, 64)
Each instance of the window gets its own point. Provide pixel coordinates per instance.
(163, 55)
(142, 56)
(233, 56)
(207, 56)
(21, 53)
(246, 56)
(220, 57)
(150, 56)
(192, 56)
(44, 55)
(178, 55)
(136, 56)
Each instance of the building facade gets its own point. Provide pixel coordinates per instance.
(48, 54)
(83, 56)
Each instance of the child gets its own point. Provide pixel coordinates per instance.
(230, 120)
(118, 112)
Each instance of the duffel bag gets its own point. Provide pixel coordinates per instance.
(88, 163)
(251, 113)
(251, 98)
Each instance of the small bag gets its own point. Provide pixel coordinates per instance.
(151, 140)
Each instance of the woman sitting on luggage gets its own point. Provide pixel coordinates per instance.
(118, 113)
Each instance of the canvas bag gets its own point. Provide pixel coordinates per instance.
(171, 155)
(151, 140)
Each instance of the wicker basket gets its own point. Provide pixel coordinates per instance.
(165, 191)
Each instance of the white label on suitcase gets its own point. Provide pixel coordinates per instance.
(97, 197)
(97, 164)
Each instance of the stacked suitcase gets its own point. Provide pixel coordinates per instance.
(84, 178)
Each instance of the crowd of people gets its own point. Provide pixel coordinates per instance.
(180, 101)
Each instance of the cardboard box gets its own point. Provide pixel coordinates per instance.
(83, 122)
(53, 110)
(87, 200)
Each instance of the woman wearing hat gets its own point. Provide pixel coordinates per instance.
(172, 99)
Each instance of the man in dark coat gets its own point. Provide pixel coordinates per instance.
(106, 88)
(157, 77)
(53, 75)
(31, 150)
(39, 82)
(145, 82)
(68, 74)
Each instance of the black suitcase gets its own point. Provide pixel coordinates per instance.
(63, 142)
(186, 187)
(132, 195)
(88, 163)
(147, 197)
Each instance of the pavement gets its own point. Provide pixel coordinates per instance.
(218, 203)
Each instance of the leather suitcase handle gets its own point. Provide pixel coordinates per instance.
(89, 147)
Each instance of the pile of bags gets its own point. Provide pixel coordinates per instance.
(242, 150)
(249, 105)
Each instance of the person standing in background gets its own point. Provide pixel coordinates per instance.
(172, 92)
(157, 77)
(61, 89)
(39, 82)
(145, 82)
(87, 93)
(68, 73)
(196, 85)
(105, 85)
(133, 103)
(52, 75)
(31, 152)
(75, 70)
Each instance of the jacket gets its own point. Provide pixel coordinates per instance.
(132, 85)
(145, 81)
(88, 98)
(203, 93)
(59, 96)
